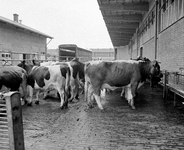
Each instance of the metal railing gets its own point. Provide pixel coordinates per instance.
(11, 125)
(173, 81)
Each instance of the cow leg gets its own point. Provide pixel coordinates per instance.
(134, 89)
(81, 86)
(37, 97)
(66, 95)
(72, 92)
(123, 91)
(74, 89)
(62, 95)
(24, 88)
(45, 93)
(129, 96)
(86, 88)
(133, 92)
(30, 89)
(89, 96)
(98, 101)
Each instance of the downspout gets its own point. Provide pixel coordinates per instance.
(137, 36)
(115, 53)
(156, 28)
(131, 46)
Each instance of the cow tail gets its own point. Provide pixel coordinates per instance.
(24, 85)
(86, 88)
(67, 85)
(86, 84)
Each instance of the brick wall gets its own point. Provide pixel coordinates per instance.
(16, 40)
(149, 49)
(171, 47)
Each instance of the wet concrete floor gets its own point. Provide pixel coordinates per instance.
(154, 125)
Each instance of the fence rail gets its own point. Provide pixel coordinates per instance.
(173, 81)
(11, 126)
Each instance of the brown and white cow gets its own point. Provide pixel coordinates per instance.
(44, 77)
(111, 75)
(13, 78)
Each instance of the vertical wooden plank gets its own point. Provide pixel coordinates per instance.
(13, 100)
(10, 121)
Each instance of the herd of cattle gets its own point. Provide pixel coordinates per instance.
(67, 77)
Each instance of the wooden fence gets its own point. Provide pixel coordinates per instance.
(11, 125)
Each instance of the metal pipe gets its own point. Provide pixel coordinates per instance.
(156, 27)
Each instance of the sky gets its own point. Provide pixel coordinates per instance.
(77, 22)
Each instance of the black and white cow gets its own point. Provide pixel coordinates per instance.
(111, 75)
(76, 77)
(44, 77)
(13, 77)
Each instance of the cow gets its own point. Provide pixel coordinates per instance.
(111, 75)
(45, 77)
(153, 79)
(76, 77)
(14, 78)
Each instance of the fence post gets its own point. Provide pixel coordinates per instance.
(15, 123)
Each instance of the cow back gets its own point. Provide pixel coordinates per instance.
(115, 73)
(64, 68)
(11, 77)
(38, 74)
(78, 68)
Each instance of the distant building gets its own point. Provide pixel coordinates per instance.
(103, 54)
(18, 42)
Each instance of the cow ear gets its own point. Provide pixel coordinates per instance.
(154, 62)
(23, 62)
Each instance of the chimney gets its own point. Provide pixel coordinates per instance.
(15, 17)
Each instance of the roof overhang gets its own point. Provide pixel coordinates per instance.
(22, 27)
(122, 18)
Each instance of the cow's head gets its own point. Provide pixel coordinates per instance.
(155, 68)
(24, 65)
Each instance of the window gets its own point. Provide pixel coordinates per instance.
(169, 12)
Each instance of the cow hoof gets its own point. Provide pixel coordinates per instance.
(101, 108)
(133, 107)
(77, 97)
(64, 106)
(37, 102)
(90, 106)
(29, 104)
(70, 101)
(25, 102)
(45, 97)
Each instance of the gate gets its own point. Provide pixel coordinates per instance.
(11, 125)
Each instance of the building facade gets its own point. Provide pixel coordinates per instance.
(18, 42)
(159, 36)
(103, 54)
